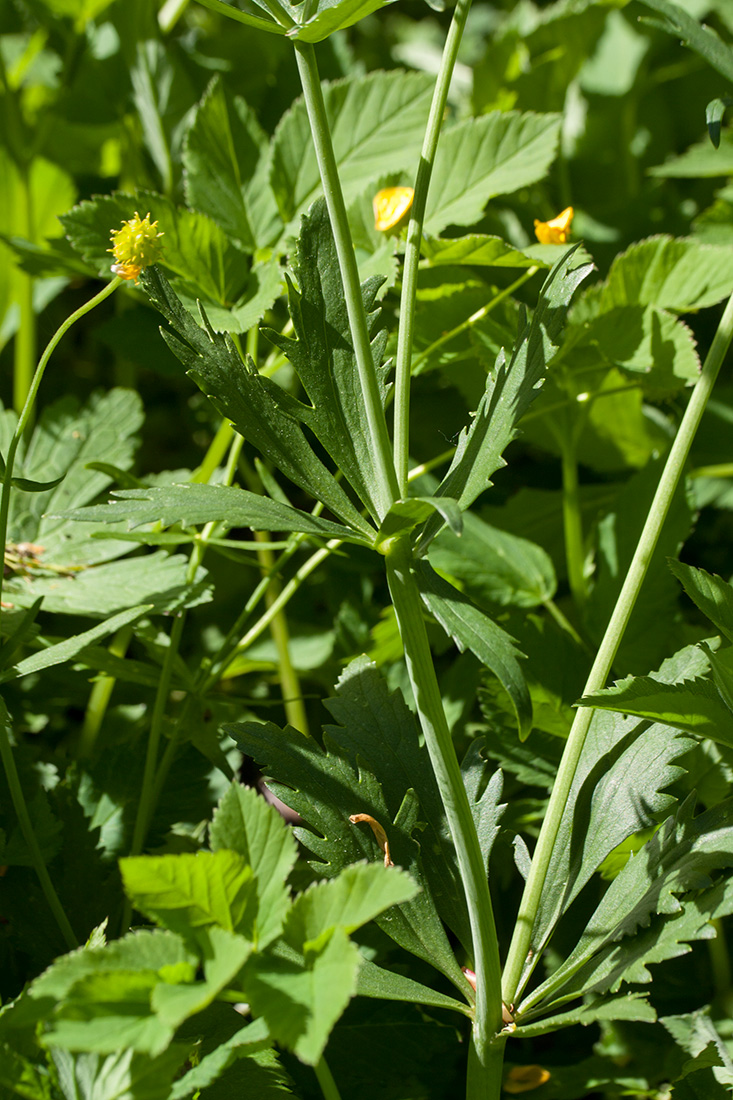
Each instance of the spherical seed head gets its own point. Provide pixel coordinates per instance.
(135, 246)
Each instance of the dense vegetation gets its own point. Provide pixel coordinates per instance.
(366, 511)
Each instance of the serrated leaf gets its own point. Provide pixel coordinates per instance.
(471, 628)
(187, 892)
(509, 392)
(699, 161)
(694, 706)
(265, 414)
(324, 358)
(377, 124)
(245, 1042)
(224, 954)
(477, 249)
(192, 504)
(357, 895)
(124, 1075)
(223, 7)
(371, 763)
(624, 1006)
(636, 762)
(711, 593)
(483, 797)
(677, 859)
(301, 1000)
(495, 154)
(243, 822)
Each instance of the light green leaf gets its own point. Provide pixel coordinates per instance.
(243, 822)
(471, 628)
(476, 249)
(159, 579)
(226, 159)
(495, 154)
(701, 161)
(357, 895)
(301, 1000)
(679, 274)
(377, 124)
(334, 15)
(223, 7)
(495, 565)
(192, 504)
(187, 892)
(224, 955)
(71, 647)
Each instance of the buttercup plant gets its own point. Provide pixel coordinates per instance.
(391, 888)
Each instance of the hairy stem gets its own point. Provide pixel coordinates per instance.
(516, 972)
(484, 1081)
(405, 333)
(386, 490)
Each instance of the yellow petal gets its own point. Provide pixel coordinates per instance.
(525, 1078)
(555, 231)
(390, 205)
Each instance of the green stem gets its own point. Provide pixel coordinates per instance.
(405, 334)
(386, 489)
(27, 410)
(572, 519)
(21, 811)
(516, 971)
(483, 1081)
(25, 339)
(170, 13)
(99, 698)
(326, 1081)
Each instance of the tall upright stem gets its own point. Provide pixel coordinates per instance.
(414, 239)
(484, 1081)
(386, 490)
(514, 969)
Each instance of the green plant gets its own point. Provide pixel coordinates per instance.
(399, 895)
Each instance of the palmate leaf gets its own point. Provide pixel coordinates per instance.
(125, 1074)
(243, 822)
(678, 859)
(323, 353)
(711, 593)
(265, 414)
(377, 123)
(495, 154)
(372, 763)
(509, 392)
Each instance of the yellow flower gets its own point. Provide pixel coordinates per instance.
(135, 246)
(390, 206)
(525, 1078)
(555, 231)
